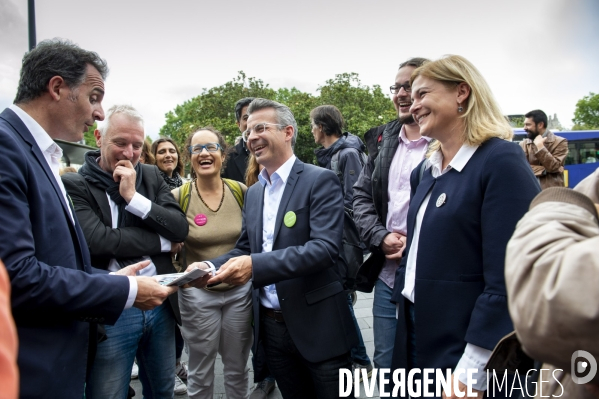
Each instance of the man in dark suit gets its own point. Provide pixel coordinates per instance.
(237, 162)
(289, 247)
(56, 293)
(128, 214)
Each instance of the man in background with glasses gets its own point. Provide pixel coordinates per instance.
(289, 246)
(381, 201)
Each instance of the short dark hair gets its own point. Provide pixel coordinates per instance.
(180, 169)
(329, 118)
(244, 102)
(415, 62)
(537, 116)
(55, 57)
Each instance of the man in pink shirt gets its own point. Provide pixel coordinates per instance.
(381, 200)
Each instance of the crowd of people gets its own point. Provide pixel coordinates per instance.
(468, 255)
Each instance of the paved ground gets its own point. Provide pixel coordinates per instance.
(363, 311)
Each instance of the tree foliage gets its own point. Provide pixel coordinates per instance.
(362, 107)
(586, 115)
(214, 107)
(89, 137)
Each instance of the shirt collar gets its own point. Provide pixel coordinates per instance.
(41, 137)
(406, 141)
(458, 162)
(281, 173)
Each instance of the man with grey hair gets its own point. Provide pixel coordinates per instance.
(289, 247)
(57, 296)
(128, 215)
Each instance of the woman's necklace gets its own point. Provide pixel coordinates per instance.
(203, 202)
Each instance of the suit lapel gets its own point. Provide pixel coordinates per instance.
(27, 137)
(298, 167)
(25, 134)
(102, 201)
(258, 214)
(425, 185)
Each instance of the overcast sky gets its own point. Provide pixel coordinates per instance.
(534, 53)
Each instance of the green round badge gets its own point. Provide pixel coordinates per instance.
(289, 219)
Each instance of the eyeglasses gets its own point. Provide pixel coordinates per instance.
(395, 88)
(198, 148)
(258, 129)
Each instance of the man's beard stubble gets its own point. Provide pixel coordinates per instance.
(407, 120)
(531, 134)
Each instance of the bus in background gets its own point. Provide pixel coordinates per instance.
(583, 153)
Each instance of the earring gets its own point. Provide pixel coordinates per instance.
(460, 108)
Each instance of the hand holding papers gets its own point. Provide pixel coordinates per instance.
(192, 273)
(237, 271)
(206, 272)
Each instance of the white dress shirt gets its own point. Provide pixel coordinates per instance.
(53, 153)
(274, 186)
(474, 357)
(139, 206)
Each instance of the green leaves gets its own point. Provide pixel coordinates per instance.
(362, 107)
(586, 115)
(89, 137)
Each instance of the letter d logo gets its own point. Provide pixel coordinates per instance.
(580, 367)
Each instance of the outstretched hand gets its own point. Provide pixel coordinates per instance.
(132, 270)
(150, 294)
(199, 282)
(237, 271)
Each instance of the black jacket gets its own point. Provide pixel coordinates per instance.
(370, 191)
(165, 219)
(349, 148)
(237, 163)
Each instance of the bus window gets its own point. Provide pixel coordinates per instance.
(572, 157)
(588, 152)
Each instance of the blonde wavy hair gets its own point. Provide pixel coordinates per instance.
(482, 116)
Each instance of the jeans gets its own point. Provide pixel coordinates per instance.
(384, 325)
(358, 352)
(149, 335)
(296, 377)
(179, 343)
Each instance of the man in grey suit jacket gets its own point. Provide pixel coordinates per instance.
(289, 247)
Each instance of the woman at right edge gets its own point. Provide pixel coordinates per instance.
(475, 186)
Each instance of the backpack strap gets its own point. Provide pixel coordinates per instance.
(185, 195)
(236, 189)
(335, 165)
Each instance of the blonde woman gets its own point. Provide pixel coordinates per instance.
(466, 200)
(215, 319)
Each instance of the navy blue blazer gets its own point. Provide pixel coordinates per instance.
(304, 262)
(460, 294)
(54, 294)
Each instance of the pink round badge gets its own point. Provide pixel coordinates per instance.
(200, 219)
